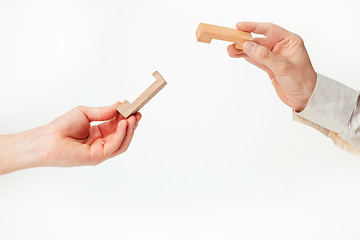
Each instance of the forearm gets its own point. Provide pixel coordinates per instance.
(22, 150)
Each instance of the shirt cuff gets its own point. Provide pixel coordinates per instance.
(331, 104)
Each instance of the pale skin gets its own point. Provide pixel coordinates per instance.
(283, 56)
(70, 140)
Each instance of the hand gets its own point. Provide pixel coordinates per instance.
(70, 140)
(283, 56)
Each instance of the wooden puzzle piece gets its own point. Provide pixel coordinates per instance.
(207, 32)
(127, 109)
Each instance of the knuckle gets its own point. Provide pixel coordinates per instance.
(270, 25)
(79, 108)
(125, 149)
(94, 163)
(298, 39)
(262, 53)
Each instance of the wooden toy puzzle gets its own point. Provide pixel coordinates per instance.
(127, 109)
(207, 32)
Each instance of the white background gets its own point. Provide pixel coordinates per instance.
(216, 155)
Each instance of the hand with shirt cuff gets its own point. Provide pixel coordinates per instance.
(317, 101)
(282, 55)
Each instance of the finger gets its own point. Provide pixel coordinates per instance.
(100, 149)
(237, 55)
(119, 117)
(266, 42)
(117, 139)
(129, 134)
(94, 134)
(99, 113)
(270, 30)
(234, 52)
(138, 118)
(264, 56)
(127, 140)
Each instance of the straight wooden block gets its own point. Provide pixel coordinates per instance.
(207, 32)
(127, 109)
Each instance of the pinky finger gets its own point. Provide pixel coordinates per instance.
(232, 49)
(138, 116)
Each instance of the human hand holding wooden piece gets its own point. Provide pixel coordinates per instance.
(70, 140)
(282, 54)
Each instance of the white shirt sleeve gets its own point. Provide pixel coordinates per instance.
(334, 110)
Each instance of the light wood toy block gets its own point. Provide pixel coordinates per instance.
(127, 109)
(207, 32)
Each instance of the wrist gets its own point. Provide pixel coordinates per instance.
(300, 107)
(22, 150)
(308, 91)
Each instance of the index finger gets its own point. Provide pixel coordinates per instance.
(270, 30)
(99, 113)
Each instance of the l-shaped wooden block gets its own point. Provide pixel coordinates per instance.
(207, 32)
(126, 109)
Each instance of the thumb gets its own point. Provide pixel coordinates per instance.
(99, 113)
(263, 55)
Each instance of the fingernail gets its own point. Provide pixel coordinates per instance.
(136, 124)
(248, 47)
